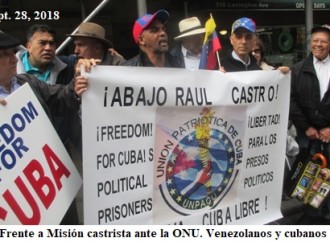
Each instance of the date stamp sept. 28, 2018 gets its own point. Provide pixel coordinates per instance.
(29, 16)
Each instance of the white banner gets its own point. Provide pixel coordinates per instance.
(38, 180)
(176, 146)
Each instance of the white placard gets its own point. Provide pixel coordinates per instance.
(38, 179)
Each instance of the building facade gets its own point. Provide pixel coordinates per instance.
(281, 23)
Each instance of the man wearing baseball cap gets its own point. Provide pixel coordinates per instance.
(55, 99)
(310, 107)
(190, 41)
(242, 37)
(150, 35)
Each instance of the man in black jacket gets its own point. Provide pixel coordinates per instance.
(310, 100)
(242, 37)
(150, 35)
(53, 98)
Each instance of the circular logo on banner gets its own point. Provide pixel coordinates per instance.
(200, 170)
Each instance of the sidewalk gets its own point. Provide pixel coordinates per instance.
(292, 211)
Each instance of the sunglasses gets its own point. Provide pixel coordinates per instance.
(256, 51)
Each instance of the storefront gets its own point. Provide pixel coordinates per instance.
(281, 23)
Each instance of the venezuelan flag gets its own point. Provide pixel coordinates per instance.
(211, 45)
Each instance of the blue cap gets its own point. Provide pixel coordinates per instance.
(143, 22)
(245, 23)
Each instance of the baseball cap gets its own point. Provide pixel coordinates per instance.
(144, 21)
(322, 28)
(245, 23)
(6, 41)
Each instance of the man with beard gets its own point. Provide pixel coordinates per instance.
(149, 34)
(190, 41)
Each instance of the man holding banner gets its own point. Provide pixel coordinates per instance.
(149, 34)
(54, 99)
(242, 38)
(240, 58)
(48, 95)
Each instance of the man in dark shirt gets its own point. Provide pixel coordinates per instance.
(242, 37)
(55, 99)
(150, 35)
(310, 105)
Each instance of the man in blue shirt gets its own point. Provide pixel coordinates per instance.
(39, 59)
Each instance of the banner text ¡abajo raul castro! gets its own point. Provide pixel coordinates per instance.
(175, 146)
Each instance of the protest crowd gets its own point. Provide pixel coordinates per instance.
(60, 82)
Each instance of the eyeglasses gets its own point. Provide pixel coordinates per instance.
(322, 41)
(256, 51)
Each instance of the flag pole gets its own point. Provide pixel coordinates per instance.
(211, 45)
(218, 59)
